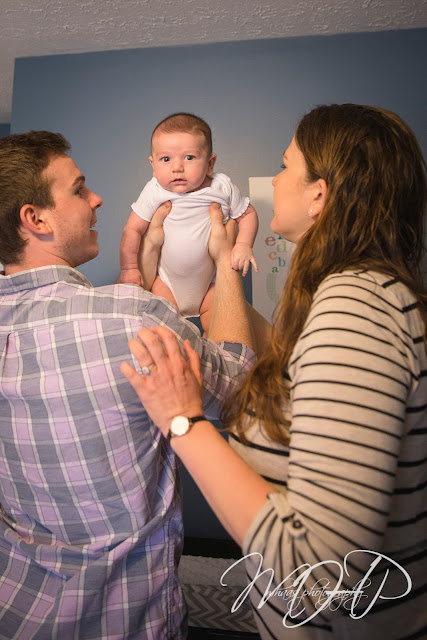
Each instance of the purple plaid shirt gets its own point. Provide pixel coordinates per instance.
(90, 519)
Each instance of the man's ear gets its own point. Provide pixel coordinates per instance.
(34, 221)
(319, 198)
(211, 164)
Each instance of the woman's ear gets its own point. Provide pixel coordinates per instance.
(33, 220)
(319, 198)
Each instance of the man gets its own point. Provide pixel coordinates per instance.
(90, 520)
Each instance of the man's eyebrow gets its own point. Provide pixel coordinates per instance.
(78, 179)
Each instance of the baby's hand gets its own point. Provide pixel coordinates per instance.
(241, 257)
(131, 276)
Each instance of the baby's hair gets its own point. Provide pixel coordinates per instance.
(185, 123)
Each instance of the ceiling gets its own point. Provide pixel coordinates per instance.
(45, 27)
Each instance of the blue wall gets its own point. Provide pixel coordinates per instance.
(4, 130)
(251, 93)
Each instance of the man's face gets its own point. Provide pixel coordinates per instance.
(73, 216)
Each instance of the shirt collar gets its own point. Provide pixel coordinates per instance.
(42, 276)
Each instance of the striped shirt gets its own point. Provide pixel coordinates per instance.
(354, 479)
(90, 518)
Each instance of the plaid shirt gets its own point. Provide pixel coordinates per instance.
(90, 521)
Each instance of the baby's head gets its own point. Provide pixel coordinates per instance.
(181, 153)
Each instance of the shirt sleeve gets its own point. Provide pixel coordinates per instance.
(351, 372)
(238, 203)
(222, 364)
(149, 200)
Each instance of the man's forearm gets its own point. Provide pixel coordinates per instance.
(229, 320)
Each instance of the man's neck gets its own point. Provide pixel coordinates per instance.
(26, 265)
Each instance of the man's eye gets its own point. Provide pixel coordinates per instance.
(190, 157)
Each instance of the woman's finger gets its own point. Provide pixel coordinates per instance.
(194, 361)
(168, 338)
(140, 352)
(134, 378)
(153, 345)
(176, 361)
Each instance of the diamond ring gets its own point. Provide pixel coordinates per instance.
(146, 371)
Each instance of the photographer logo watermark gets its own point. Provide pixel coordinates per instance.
(323, 594)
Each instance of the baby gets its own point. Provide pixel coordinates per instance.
(183, 162)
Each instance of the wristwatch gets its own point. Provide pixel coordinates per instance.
(181, 425)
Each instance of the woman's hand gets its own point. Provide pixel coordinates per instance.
(222, 237)
(173, 385)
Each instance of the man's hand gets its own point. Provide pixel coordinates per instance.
(155, 234)
(151, 245)
(241, 257)
(222, 237)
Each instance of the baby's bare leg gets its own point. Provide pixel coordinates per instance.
(206, 308)
(161, 289)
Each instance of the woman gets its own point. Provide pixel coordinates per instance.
(328, 495)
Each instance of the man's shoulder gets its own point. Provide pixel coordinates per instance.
(116, 300)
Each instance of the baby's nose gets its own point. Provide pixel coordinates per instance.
(177, 165)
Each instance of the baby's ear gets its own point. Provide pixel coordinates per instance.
(151, 160)
(211, 164)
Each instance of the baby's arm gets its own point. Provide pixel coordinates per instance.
(129, 248)
(242, 253)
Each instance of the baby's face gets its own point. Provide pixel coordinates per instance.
(181, 162)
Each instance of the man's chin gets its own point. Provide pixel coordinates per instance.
(88, 258)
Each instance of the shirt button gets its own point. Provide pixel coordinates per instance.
(297, 524)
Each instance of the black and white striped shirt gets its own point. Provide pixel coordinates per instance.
(355, 475)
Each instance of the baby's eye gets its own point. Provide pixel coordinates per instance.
(282, 166)
(189, 157)
(165, 159)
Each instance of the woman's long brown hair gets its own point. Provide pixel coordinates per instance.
(373, 218)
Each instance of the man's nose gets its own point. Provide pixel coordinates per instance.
(96, 201)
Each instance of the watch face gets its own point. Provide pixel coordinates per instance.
(180, 425)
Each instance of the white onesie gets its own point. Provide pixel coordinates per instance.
(185, 265)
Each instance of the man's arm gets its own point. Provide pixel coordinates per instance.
(149, 252)
(229, 321)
